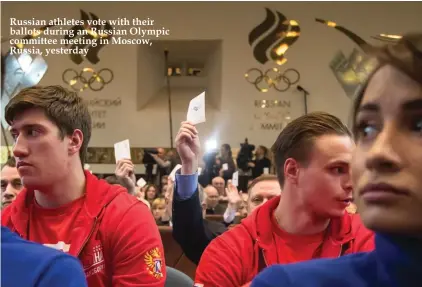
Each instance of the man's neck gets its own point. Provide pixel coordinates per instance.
(295, 218)
(259, 157)
(70, 188)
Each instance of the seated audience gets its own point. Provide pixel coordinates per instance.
(312, 159)
(11, 184)
(67, 208)
(386, 177)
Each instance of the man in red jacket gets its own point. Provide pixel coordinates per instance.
(312, 156)
(112, 233)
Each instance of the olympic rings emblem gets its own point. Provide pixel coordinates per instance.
(87, 79)
(272, 78)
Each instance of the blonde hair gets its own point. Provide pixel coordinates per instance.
(157, 202)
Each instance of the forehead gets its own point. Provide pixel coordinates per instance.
(210, 190)
(389, 87)
(218, 180)
(266, 188)
(332, 148)
(31, 116)
(9, 173)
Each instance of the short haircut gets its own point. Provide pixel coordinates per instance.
(264, 177)
(63, 107)
(405, 55)
(297, 138)
(11, 162)
(158, 201)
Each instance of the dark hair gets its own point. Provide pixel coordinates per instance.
(228, 148)
(157, 191)
(11, 162)
(264, 149)
(405, 55)
(63, 107)
(297, 138)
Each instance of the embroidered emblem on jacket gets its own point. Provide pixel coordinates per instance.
(154, 262)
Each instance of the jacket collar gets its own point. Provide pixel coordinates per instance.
(259, 226)
(97, 196)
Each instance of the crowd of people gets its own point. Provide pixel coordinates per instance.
(62, 226)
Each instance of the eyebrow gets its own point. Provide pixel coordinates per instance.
(411, 105)
(338, 162)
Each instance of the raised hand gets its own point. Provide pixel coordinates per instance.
(125, 171)
(188, 147)
(233, 195)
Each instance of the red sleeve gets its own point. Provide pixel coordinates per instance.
(365, 238)
(220, 265)
(138, 254)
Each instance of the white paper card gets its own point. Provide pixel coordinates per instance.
(196, 111)
(199, 171)
(266, 170)
(122, 150)
(225, 166)
(141, 182)
(235, 179)
(172, 175)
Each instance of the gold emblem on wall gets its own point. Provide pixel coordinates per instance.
(270, 41)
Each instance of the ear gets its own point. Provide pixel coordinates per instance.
(75, 142)
(291, 170)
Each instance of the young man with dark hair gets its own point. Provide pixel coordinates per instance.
(312, 161)
(11, 184)
(64, 207)
(25, 263)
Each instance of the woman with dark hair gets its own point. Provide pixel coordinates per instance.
(386, 174)
(226, 163)
(151, 193)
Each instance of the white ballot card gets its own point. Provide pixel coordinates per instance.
(141, 182)
(225, 166)
(266, 170)
(122, 150)
(173, 172)
(196, 111)
(235, 179)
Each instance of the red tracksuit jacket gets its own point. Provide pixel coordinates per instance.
(115, 236)
(234, 258)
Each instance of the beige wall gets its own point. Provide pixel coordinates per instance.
(230, 22)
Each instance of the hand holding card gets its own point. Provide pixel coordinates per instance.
(196, 111)
(141, 182)
(122, 150)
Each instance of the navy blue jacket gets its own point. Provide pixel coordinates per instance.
(395, 262)
(25, 263)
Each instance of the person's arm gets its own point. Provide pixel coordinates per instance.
(189, 229)
(65, 271)
(160, 162)
(221, 264)
(138, 254)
